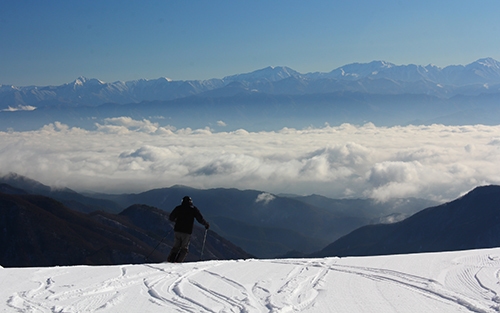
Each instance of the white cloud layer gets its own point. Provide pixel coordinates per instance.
(125, 155)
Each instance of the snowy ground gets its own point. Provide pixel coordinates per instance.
(465, 281)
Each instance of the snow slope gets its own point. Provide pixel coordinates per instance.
(464, 281)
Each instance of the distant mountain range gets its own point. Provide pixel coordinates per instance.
(377, 77)
(270, 99)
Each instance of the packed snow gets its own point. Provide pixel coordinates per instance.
(463, 281)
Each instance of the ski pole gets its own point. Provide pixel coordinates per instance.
(203, 246)
(168, 232)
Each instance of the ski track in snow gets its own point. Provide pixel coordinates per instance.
(469, 283)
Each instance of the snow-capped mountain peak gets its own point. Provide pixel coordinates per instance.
(82, 80)
(360, 70)
(270, 73)
(488, 62)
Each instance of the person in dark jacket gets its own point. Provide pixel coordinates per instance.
(183, 215)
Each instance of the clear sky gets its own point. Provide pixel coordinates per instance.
(53, 42)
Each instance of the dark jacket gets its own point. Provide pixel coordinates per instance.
(184, 215)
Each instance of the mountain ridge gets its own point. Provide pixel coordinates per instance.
(481, 76)
(262, 228)
(40, 231)
(469, 222)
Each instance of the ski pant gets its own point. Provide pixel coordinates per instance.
(180, 247)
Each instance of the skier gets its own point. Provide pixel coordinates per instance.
(183, 215)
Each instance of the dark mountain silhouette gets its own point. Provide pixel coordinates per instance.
(263, 228)
(5, 188)
(68, 197)
(272, 225)
(152, 226)
(237, 216)
(40, 231)
(470, 222)
(262, 224)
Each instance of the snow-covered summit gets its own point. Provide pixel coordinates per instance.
(360, 70)
(270, 73)
(82, 80)
(488, 62)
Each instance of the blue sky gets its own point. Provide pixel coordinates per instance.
(54, 42)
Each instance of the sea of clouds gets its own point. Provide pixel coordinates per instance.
(124, 155)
